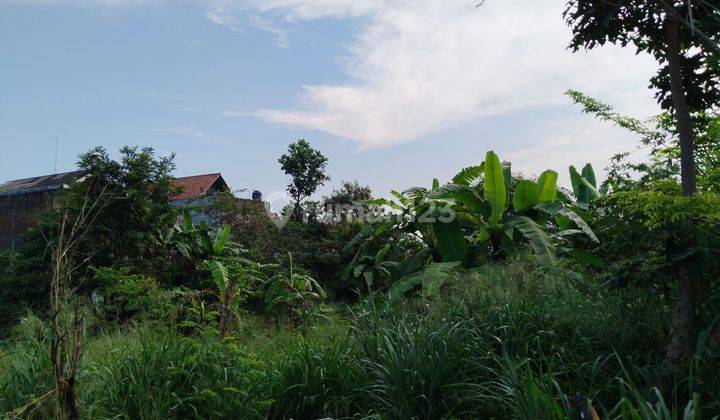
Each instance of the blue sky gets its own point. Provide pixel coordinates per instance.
(394, 93)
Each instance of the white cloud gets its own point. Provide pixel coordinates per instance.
(235, 16)
(192, 133)
(421, 66)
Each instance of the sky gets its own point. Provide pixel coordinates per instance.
(393, 92)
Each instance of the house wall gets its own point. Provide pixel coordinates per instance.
(18, 213)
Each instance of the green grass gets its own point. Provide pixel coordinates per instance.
(516, 340)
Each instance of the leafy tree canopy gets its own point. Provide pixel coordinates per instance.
(641, 23)
(306, 167)
(141, 185)
(349, 193)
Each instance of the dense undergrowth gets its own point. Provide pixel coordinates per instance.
(510, 340)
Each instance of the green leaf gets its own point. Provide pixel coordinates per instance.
(383, 202)
(507, 175)
(183, 250)
(368, 279)
(188, 223)
(435, 276)
(582, 224)
(219, 274)
(451, 241)
(358, 270)
(221, 239)
(364, 233)
(435, 184)
(587, 257)
(589, 174)
(547, 187)
(431, 278)
(401, 198)
(467, 175)
(575, 181)
(557, 209)
(382, 253)
(526, 195)
(539, 240)
(590, 191)
(494, 187)
(482, 235)
(584, 185)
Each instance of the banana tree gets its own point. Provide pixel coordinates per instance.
(213, 252)
(229, 273)
(292, 292)
(482, 210)
(531, 214)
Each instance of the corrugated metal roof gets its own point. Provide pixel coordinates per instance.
(196, 186)
(40, 183)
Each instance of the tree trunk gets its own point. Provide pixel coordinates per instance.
(227, 316)
(679, 348)
(68, 396)
(682, 112)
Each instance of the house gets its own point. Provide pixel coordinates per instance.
(23, 201)
(198, 188)
(198, 191)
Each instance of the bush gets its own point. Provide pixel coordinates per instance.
(120, 295)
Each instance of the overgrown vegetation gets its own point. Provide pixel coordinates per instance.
(492, 295)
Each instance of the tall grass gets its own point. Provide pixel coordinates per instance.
(515, 340)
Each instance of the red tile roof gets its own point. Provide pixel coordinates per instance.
(195, 186)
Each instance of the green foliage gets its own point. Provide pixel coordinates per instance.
(647, 233)
(249, 222)
(659, 134)
(317, 249)
(21, 286)
(597, 22)
(431, 279)
(293, 294)
(349, 193)
(494, 188)
(169, 376)
(507, 340)
(306, 168)
(120, 295)
(318, 378)
(459, 222)
(141, 187)
(450, 241)
(584, 184)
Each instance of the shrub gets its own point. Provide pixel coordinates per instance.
(120, 295)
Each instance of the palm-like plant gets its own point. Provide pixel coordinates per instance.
(213, 252)
(480, 210)
(293, 293)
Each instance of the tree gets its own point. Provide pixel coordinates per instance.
(339, 205)
(687, 82)
(659, 136)
(306, 167)
(127, 228)
(67, 336)
(349, 193)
